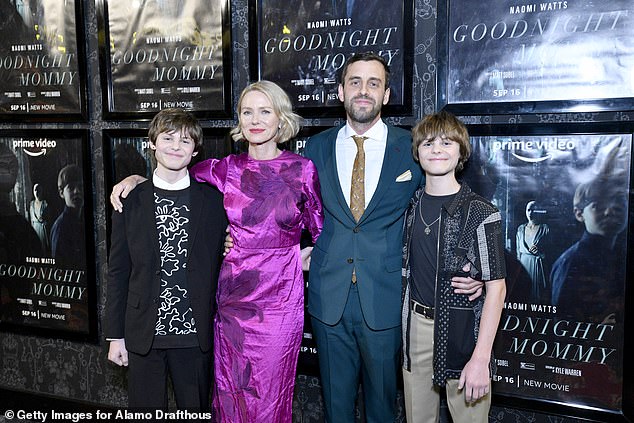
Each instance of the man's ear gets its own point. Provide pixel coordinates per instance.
(61, 192)
(578, 214)
(386, 96)
(340, 93)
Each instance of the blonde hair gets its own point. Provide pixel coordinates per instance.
(289, 121)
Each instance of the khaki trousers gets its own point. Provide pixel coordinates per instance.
(422, 398)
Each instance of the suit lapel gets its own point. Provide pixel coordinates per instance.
(330, 158)
(196, 205)
(148, 215)
(391, 164)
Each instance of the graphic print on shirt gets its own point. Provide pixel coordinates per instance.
(174, 313)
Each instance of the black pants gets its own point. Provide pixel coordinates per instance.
(191, 372)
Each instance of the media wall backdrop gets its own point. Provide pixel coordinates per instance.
(303, 44)
(564, 198)
(47, 280)
(166, 54)
(576, 52)
(41, 59)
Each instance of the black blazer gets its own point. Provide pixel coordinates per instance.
(133, 281)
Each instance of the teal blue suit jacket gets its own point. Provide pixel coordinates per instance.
(372, 246)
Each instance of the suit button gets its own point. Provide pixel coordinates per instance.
(350, 260)
(356, 230)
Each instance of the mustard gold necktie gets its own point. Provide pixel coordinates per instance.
(357, 187)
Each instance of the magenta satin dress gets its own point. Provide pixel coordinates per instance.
(258, 326)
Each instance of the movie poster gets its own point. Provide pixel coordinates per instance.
(564, 202)
(508, 51)
(47, 249)
(164, 54)
(302, 45)
(39, 58)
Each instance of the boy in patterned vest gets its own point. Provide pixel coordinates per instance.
(448, 338)
(163, 273)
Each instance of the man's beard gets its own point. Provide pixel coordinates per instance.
(362, 116)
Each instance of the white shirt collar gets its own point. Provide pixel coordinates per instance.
(163, 184)
(378, 131)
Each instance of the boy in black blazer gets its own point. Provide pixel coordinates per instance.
(163, 273)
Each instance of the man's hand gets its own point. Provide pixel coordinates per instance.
(305, 253)
(475, 379)
(122, 189)
(467, 285)
(228, 242)
(117, 352)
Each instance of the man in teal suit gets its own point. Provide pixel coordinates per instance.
(354, 290)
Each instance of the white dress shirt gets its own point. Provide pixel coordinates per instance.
(346, 150)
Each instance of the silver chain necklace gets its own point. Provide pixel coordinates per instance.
(427, 229)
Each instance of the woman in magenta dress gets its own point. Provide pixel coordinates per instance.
(270, 195)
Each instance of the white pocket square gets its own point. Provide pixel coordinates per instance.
(405, 176)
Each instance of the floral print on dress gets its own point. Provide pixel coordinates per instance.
(232, 307)
(272, 192)
(236, 402)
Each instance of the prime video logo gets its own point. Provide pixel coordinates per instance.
(39, 145)
(534, 150)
